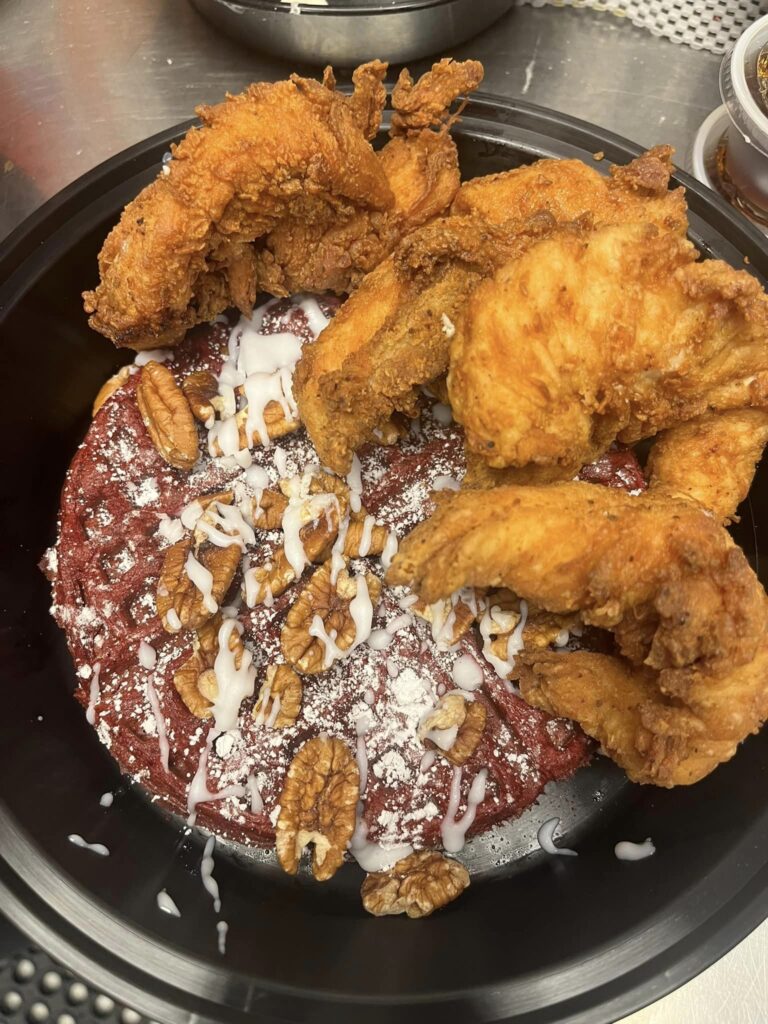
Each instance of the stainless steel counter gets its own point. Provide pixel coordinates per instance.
(80, 81)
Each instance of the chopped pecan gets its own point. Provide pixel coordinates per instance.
(196, 681)
(454, 727)
(200, 387)
(109, 387)
(317, 805)
(284, 686)
(180, 604)
(189, 682)
(320, 521)
(319, 626)
(450, 619)
(364, 536)
(275, 420)
(167, 416)
(417, 885)
(267, 511)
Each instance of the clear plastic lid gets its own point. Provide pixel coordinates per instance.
(740, 88)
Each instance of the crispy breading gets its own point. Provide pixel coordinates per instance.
(391, 336)
(568, 189)
(294, 153)
(686, 611)
(591, 336)
(315, 249)
(711, 459)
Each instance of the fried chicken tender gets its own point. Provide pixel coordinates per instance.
(654, 739)
(591, 336)
(293, 152)
(568, 189)
(689, 616)
(314, 249)
(711, 459)
(395, 331)
(392, 334)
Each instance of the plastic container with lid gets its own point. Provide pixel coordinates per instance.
(746, 160)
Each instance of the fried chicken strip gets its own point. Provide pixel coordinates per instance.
(651, 737)
(687, 612)
(591, 336)
(568, 189)
(182, 251)
(392, 334)
(711, 459)
(316, 249)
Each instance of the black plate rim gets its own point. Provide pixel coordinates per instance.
(693, 953)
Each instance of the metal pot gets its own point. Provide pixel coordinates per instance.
(345, 34)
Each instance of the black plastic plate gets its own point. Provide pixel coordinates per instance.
(544, 940)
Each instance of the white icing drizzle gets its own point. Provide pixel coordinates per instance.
(99, 848)
(191, 513)
(445, 483)
(390, 549)
(372, 856)
(332, 651)
(634, 851)
(316, 318)
(442, 413)
(369, 697)
(301, 509)
(202, 578)
(162, 735)
(489, 625)
(254, 795)
(198, 792)
(281, 462)
(257, 478)
(355, 484)
(546, 839)
(454, 832)
(466, 673)
(408, 601)
(361, 610)
(337, 551)
(399, 622)
(444, 738)
(153, 355)
(380, 639)
(173, 620)
(427, 761)
(221, 936)
(233, 684)
(449, 328)
(169, 529)
(147, 655)
(260, 717)
(207, 865)
(166, 903)
(365, 538)
(392, 670)
(224, 525)
(105, 800)
(562, 638)
(94, 694)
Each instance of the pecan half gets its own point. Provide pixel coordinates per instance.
(199, 388)
(317, 806)
(454, 727)
(196, 681)
(167, 416)
(284, 686)
(267, 511)
(417, 885)
(180, 604)
(364, 536)
(450, 620)
(322, 610)
(109, 387)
